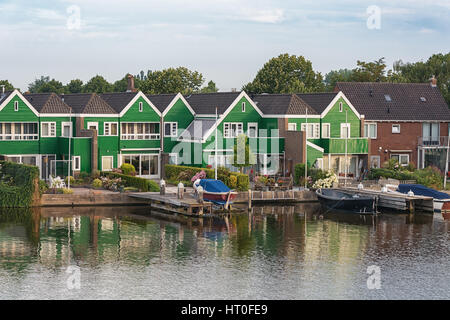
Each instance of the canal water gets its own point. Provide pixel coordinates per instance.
(272, 253)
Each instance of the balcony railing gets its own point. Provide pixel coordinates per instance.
(435, 142)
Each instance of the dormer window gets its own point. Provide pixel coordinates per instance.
(141, 106)
(16, 105)
(388, 98)
(243, 106)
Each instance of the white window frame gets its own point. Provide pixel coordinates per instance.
(243, 106)
(74, 162)
(255, 126)
(228, 129)
(141, 106)
(367, 130)
(107, 129)
(112, 163)
(326, 128)
(138, 136)
(51, 129)
(315, 130)
(93, 124)
(173, 129)
(349, 132)
(16, 106)
(13, 136)
(399, 158)
(63, 124)
(292, 124)
(396, 125)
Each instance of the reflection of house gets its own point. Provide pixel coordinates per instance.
(404, 121)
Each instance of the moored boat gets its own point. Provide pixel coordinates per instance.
(338, 200)
(441, 200)
(215, 191)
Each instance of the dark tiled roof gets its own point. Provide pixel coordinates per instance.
(369, 98)
(4, 96)
(118, 100)
(318, 101)
(88, 103)
(206, 103)
(47, 102)
(161, 101)
(280, 104)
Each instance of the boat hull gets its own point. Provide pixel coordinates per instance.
(219, 197)
(342, 202)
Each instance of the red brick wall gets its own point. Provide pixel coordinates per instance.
(407, 139)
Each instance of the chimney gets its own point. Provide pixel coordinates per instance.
(233, 89)
(433, 82)
(130, 87)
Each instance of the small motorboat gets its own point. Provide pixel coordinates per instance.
(337, 200)
(215, 191)
(441, 200)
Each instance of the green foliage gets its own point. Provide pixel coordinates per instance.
(286, 74)
(430, 176)
(95, 174)
(210, 88)
(174, 172)
(233, 182)
(7, 84)
(314, 174)
(67, 191)
(97, 84)
(97, 183)
(370, 71)
(172, 80)
(332, 77)
(142, 184)
(20, 194)
(72, 180)
(128, 169)
(122, 84)
(74, 86)
(242, 148)
(43, 187)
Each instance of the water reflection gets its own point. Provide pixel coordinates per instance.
(272, 252)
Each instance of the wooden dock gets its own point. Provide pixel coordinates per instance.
(272, 196)
(170, 203)
(396, 201)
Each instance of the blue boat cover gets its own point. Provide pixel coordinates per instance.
(211, 185)
(421, 190)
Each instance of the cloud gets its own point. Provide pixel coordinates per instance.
(262, 16)
(47, 14)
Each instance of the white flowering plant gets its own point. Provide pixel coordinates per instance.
(326, 182)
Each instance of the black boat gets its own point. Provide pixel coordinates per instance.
(337, 200)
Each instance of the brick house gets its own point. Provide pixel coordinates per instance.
(405, 121)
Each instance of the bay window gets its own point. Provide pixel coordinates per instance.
(139, 131)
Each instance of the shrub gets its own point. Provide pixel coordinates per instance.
(430, 176)
(95, 174)
(18, 184)
(67, 191)
(43, 187)
(233, 182)
(97, 183)
(314, 174)
(243, 182)
(199, 175)
(72, 180)
(142, 184)
(128, 169)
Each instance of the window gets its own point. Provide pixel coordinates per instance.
(292, 126)
(170, 129)
(107, 163)
(48, 129)
(141, 106)
(92, 126)
(139, 131)
(76, 163)
(403, 159)
(395, 128)
(66, 129)
(232, 129)
(345, 130)
(243, 106)
(374, 161)
(110, 129)
(19, 131)
(252, 130)
(430, 133)
(423, 99)
(16, 105)
(312, 130)
(325, 130)
(388, 98)
(340, 107)
(370, 130)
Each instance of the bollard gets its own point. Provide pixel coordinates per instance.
(180, 190)
(162, 187)
(200, 194)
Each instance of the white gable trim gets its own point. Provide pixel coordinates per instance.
(292, 116)
(333, 102)
(17, 93)
(174, 100)
(137, 96)
(315, 146)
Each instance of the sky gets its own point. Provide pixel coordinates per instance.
(228, 41)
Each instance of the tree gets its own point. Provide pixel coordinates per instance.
(341, 75)
(286, 74)
(98, 84)
(74, 86)
(7, 84)
(44, 84)
(122, 84)
(210, 88)
(370, 71)
(37, 83)
(172, 80)
(243, 156)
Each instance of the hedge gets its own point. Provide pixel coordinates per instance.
(429, 177)
(142, 184)
(24, 179)
(184, 174)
